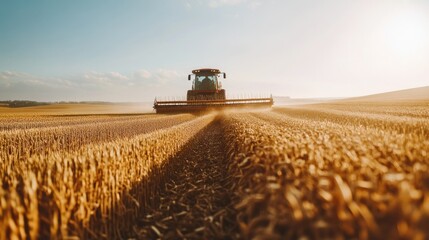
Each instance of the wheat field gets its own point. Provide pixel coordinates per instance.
(324, 171)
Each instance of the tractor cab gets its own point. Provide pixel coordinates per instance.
(206, 85)
(206, 79)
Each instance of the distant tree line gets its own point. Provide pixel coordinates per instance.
(22, 103)
(28, 103)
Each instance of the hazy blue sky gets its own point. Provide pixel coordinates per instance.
(134, 50)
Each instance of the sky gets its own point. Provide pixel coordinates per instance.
(136, 50)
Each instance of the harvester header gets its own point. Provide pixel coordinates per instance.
(207, 94)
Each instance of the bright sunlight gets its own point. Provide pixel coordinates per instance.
(406, 32)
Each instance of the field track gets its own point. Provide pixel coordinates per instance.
(197, 202)
(343, 171)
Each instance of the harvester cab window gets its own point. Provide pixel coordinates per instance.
(205, 82)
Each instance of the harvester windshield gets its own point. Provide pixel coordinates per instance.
(205, 82)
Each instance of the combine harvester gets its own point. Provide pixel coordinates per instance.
(207, 94)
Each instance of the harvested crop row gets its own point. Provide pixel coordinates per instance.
(94, 192)
(419, 109)
(378, 121)
(196, 202)
(21, 144)
(381, 149)
(316, 179)
(28, 122)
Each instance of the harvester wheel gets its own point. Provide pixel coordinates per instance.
(221, 95)
(190, 96)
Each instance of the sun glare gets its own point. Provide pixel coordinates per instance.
(406, 32)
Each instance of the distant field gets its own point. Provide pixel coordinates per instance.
(408, 96)
(338, 170)
(413, 94)
(64, 109)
